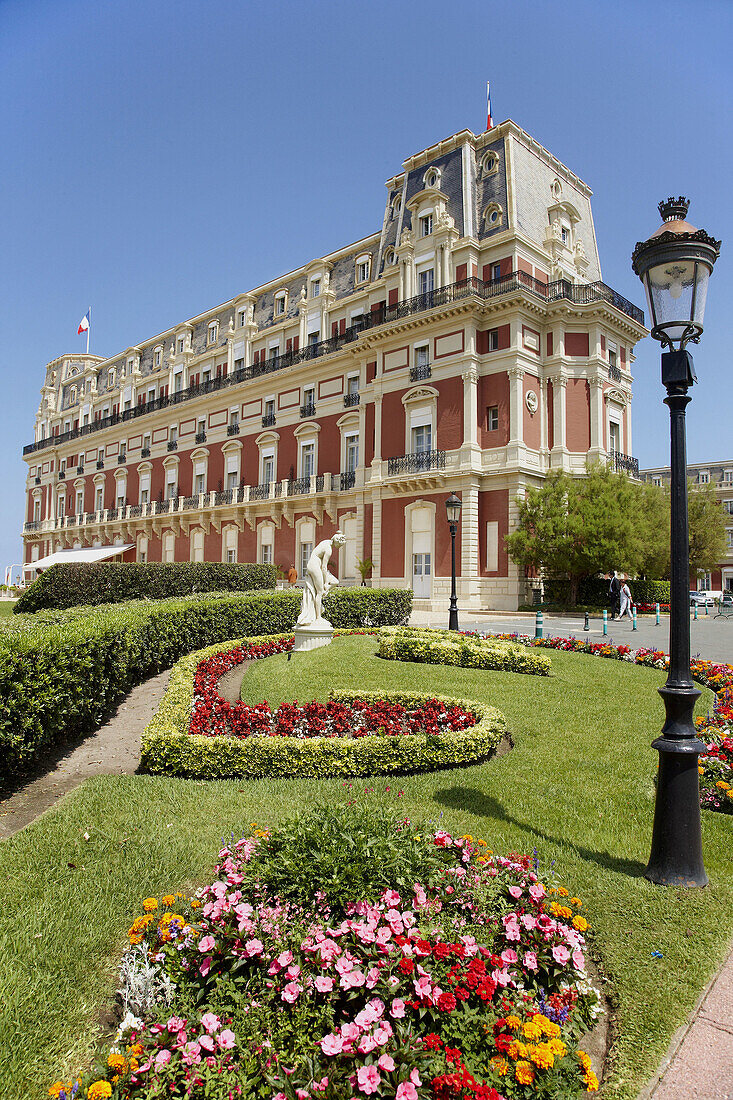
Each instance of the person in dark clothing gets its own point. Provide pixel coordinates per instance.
(614, 594)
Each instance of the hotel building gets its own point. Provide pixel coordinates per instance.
(468, 345)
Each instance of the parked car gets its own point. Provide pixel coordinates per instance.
(701, 599)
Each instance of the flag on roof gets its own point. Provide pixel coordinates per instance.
(85, 322)
(489, 123)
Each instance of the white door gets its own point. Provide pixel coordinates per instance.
(421, 574)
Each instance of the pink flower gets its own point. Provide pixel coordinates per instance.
(406, 1091)
(191, 1055)
(206, 1043)
(366, 1044)
(291, 992)
(226, 1039)
(368, 1079)
(205, 967)
(515, 891)
(391, 898)
(279, 1096)
(560, 954)
(210, 1022)
(578, 959)
(423, 986)
(302, 1094)
(331, 1044)
(253, 948)
(537, 892)
(509, 955)
(415, 1077)
(530, 960)
(323, 984)
(320, 1086)
(382, 1033)
(512, 932)
(162, 1057)
(386, 1063)
(206, 943)
(353, 979)
(378, 1007)
(175, 1023)
(285, 958)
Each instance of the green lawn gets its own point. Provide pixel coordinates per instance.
(577, 786)
(6, 607)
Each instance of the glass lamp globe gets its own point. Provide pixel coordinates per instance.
(674, 265)
(453, 508)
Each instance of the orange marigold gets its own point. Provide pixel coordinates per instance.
(100, 1090)
(117, 1062)
(542, 1055)
(580, 923)
(513, 1022)
(168, 900)
(150, 904)
(524, 1073)
(500, 1065)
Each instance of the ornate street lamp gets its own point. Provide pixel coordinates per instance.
(453, 508)
(674, 265)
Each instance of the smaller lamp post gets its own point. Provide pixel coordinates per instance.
(674, 265)
(453, 508)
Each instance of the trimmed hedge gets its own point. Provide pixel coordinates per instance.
(79, 583)
(444, 647)
(593, 592)
(168, 748)
(63, 672)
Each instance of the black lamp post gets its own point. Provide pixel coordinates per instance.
(674, 265)
(453, 508)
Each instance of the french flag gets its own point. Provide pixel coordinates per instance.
(489, 122)
(85, 322)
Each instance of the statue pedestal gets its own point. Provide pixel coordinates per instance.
(313, 636)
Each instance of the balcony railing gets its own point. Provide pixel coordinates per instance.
(614, 373)
(233, 429)
(172, 444)
(200, 437)
(343, 481)
(307, 410)
(121, 458)
(37, 480)
(269, 420)
(418, 461)
(351, 399)
(419, 374)
(62, 473)
(80, 469)
(625, 462)
(226, 496)
(100, 463)
(32, 525)
(145, 452)
(454, 292)
(260, 492)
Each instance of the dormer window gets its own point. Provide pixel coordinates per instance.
(565, 235)
(130, 365)
(703, 477)
(281, 299)
(426, 225)
(315, 288)
(181, 345)
(490, 163)
(157, 357)
(389, 257)
(213, 329)
(363, 267)
(432, 178)
(396, 206)
(241, 317)
(110, 378)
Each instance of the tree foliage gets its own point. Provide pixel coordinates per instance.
(577, 527)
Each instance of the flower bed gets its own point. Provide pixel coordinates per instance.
(198, 734)
(443, 647)
(716, 765)
(469, 982)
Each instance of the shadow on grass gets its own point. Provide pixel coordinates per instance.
(475, 801)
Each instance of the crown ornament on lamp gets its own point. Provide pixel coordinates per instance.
(674, 265)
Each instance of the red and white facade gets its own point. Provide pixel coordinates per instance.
(469, 346)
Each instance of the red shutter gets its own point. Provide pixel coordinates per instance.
(506, 266)
(296, 343)
(371, 371)
(603, 343)
(288, 345)
(334, 328)
(342, 326)
(550, 343)
(225, 370)
(461, 273)
(623, 354)
(504, 333)
(394, 297)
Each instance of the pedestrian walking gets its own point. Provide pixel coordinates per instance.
(292, 575)
(626, 601)
(614, 594)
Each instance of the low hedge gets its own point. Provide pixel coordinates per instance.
(593, 591)
(79, 583)
(168, 748)
(444, 647)
(63, 672)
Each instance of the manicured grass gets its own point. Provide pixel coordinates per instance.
(577, 786)
(6, 607)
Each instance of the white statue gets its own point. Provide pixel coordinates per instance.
(317, 582)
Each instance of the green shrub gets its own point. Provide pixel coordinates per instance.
(593, 592)
(444, 647)
(62, 672)
(168, 748)
(112, 582)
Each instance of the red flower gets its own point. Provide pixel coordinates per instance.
(406, 966)
(446, 1002)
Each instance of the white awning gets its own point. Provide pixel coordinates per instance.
(87, 553)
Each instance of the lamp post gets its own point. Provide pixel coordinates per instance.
(453, 508)
(674, 265)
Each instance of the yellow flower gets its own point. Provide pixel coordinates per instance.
(729, 794)
(577, 902)
(591, 1081)
(481, 842)
(524, 1073)
(150, 904)
(513, 1022)
(168, 900)
(57, 1086)
(117, 1062)
(100, 1090)
(542, 1055)
(517, 1050)
(563, 892)
(500, 1065)
(701, 771)
(549, 1027)
(135, 1050)
(560, 911)
(580, 924)
(723, 785)
(584, 1060)
(532, 1030)
(558, 1048)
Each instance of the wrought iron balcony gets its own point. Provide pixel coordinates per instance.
(191, 502)
(614, 373)
(345, 480)
(200, 437)
(418, 374)
(233, 429)
(307, 410)
(172, 444)
(80, 469)
(136, 510)
(145, 452)
(32, 525)
(225, 497)
(269, 420)
(625, 462)
(517, 281)
(260, 492)
(100, 463)
(121, 458)
(351, 399)
(62, 473)
(37, 480)
(416, 462)
(299, 486)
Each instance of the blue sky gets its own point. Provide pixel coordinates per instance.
(160, 157)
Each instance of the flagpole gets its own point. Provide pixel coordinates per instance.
(89, 329)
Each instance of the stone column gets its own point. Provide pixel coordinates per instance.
(596, 419)
(377, 460)
(559, 450)
(516, 410)
(376, 540)
(469, 579)
(471, 449)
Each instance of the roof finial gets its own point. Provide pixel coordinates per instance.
(674, 209)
